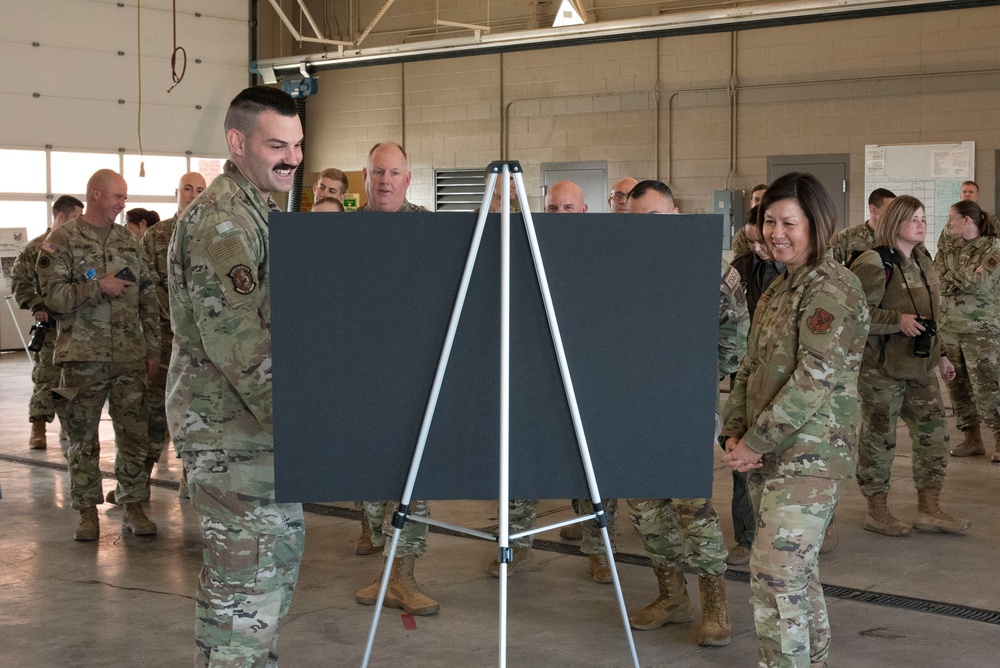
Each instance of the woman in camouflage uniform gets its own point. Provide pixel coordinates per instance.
(969, 267)
(792, 417)
(897, 372)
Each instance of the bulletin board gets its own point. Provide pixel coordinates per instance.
(933, 173)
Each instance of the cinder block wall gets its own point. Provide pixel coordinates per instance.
(661, 108)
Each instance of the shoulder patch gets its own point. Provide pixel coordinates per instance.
(992, 262)
(224, 227)
(242, 277)
(48, 248)
(820, 321)
(731, 279)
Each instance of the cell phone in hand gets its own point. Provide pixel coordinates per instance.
(126, 275)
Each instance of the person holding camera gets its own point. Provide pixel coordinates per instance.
(969, 267)
(897, 371)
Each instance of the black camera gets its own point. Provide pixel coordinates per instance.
(38, 332)
(922, 341)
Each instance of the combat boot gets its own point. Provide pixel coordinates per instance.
(404, 592)
(830, 537)
(37, 440)
(571, 532)
(135, 520)
(715, 629)
(880, 520)
(110, 496)
(600, 569)
(365, 545)
(88, 528)
(972, 445)
(930, 517)
(523, 560)
(672, 606)
(995, 458)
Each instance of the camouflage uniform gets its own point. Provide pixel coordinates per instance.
(102, 346)
(219, 413)
(413, 540)
(741, 245)
(673, 528)
(896, 383)
(795, 402)
(154, 246)
(970, 323)
(407, 207)
(848, 241)
(44, 372)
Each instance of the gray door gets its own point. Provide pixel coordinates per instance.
(830, 169)
(591, 175)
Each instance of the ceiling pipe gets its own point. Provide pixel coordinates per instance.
(682, 23)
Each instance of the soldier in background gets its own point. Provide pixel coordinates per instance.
(328, 205)
(24, 286)
(331, 182)
(387, 176)
(619, 194)
(677, 530)
(851, 242)
(219, 408)
(154, 245)
(92, 274)
(741, 245)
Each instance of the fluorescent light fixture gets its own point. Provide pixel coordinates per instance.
(570, 14)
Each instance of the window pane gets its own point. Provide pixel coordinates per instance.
(162, 174)
(70, 171)
(22, 171)
(207, 167)
(32, 215)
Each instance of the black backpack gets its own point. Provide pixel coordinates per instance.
(889, 260)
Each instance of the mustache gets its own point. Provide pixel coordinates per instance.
(285, 165)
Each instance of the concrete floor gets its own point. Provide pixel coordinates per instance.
(128, 601)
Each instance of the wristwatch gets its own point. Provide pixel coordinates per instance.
(722, 441)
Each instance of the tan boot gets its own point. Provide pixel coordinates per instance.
(37, 440)
(600, 569)
(135, 520)
(88, 528)
(972, 445)
(571, 532)
(995, 457)
(880, 520)
(830, 537)
(930, 517)
(404, 592)
(715, 629)
(110, 496)
(364, 545)
(524, 560)
(672, 606)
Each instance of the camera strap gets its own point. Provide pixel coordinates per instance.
(927, 285)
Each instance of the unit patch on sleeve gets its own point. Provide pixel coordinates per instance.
(820, 321)
(242, 277)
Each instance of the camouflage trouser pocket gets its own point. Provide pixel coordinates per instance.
(793, 621)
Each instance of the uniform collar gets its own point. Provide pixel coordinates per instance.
(255, 196)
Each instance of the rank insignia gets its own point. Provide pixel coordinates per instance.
(242, 277)
(820, 321)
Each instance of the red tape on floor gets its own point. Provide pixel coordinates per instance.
(409, 622)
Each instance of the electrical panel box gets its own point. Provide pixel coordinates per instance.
(729, 204)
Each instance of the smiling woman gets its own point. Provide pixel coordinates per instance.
(792, 417)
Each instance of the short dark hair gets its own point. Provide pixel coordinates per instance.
(138, 215)
(971, 183)
(979, 217)
(252, 102)
(65, 205)
(759, 186)
(640, 189)
(815, 201)
(753, 215)
(880, 195)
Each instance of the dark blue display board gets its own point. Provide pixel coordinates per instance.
(360, 306)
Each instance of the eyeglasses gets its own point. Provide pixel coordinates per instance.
(618, 196)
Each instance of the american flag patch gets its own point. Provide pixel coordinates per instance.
(48, 248)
